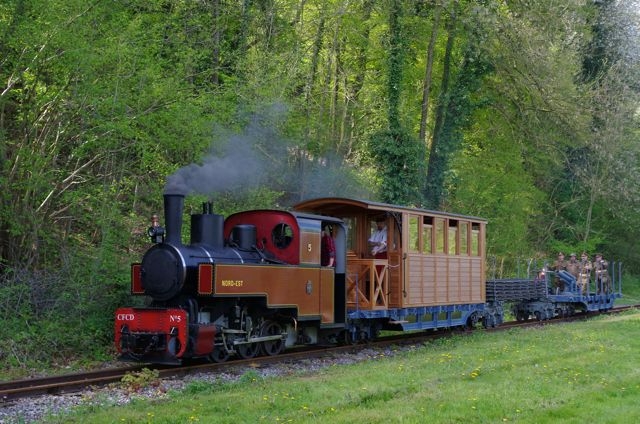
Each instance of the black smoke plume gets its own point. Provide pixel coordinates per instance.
(260, 156)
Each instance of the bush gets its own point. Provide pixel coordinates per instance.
(59, 315)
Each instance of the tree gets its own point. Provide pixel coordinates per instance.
(397, 154)
(521, 119)
(426, 85)
(604, 168)
(455, 107)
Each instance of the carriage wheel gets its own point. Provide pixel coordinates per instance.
(248, 350)
(272, 347)
(471, 321)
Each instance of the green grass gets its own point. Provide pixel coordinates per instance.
(575, 373)
(630, 292)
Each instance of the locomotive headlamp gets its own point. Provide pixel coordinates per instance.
(155, 232)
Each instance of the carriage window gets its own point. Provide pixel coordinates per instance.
(281, 236)
(351, 224)
(475, 239)
(453, 236)
(464, 242)
(414, 231)
(427, 235)
(440, 234)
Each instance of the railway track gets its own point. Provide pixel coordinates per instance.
(70, 383)
(62, 383)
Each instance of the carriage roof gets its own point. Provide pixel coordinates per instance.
(339, 206)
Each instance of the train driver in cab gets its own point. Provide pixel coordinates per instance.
(378, 240)
(327, 247)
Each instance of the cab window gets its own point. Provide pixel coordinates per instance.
(282, 235)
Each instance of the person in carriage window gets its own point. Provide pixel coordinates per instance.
(378, 240)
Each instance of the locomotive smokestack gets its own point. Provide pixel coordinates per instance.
(173, 208)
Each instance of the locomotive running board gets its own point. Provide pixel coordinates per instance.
(258, 339)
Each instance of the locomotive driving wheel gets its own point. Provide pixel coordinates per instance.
(248, 350)
(219, 354)
(271, 347)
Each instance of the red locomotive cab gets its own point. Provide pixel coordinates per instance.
(276, 232)
(158, 334)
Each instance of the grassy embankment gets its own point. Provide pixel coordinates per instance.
(576, 373)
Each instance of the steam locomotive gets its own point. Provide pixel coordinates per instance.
(253, 283)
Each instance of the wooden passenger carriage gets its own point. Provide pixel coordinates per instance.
(433, 273)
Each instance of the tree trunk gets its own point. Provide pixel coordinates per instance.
(353, 90)
(215, 54)
(396, 66)
(435, 168)
(313, 71)
(427, 77)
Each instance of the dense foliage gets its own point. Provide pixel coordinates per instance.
(521, 112)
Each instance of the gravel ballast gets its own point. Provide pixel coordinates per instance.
(32, 410)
